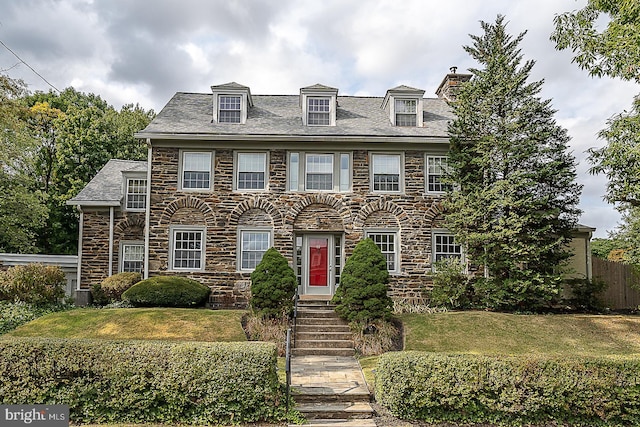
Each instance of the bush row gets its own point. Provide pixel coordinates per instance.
(513, 390)
(144, 382)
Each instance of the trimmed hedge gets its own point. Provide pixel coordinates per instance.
(144, 381)
(514, 390)
(167, 291)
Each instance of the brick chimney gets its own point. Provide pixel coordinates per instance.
(450, 85)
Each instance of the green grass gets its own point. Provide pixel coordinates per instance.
(480, 332)
(138, 323)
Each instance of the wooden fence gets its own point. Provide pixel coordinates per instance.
(619, 277)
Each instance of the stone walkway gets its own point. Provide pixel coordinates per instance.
(333, 387)
(327, 375)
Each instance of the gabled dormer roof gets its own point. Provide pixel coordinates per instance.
(319, 88)
(232, 88)
(402, 91)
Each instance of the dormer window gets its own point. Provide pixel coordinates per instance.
(318, 111)
(404, 105)
(231, 103)
(319, 104)
(406, 112)
(229, 109)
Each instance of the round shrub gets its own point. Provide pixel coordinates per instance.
(167, 291)
(114, 286)
(362, 294)
(273, 285)
(33, 283)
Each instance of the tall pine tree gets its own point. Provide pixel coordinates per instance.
(514, 202)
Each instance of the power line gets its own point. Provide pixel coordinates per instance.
(29, 66)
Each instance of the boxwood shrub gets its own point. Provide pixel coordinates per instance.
(114, 286)
(167, 291)
(510, 390)
(144, 381)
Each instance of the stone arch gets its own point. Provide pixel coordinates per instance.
(131, 223)
(435, 210)
(256, 203)
(386, 206)
(255, 217)
(188, 204)
(335, 205)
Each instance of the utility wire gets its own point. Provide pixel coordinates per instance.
(29, 66)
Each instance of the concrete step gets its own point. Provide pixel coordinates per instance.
(319, 321)
(304, 395)
(336, 410)
(302, 351)
(323, 336)
(320, 305)
(308, 312)
(338, 423)
(322, 328)
(316, 343)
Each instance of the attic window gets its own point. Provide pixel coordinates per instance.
(229, 109)
(406, 112)
(318, 111)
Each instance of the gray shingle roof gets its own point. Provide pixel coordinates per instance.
(105, 189)
(192, 113)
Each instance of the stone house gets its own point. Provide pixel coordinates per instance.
(230, 174)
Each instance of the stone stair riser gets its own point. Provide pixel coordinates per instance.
(318, 321)
(323, 351)
(318, 313)
(323, 336)
(322, 328)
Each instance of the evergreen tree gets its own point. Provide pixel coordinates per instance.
(514, 202)
(273, 285)
(362, 294)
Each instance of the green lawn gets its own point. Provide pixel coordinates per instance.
(138, 323)
(481, 332)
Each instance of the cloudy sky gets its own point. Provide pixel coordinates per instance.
(137, 51)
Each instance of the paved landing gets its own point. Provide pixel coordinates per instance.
(327, 375)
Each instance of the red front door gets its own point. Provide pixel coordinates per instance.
(318, 261)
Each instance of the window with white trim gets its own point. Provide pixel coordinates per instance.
(389, 246)
(406, 110)
(196, 171)
(386, 172)
(251, 171)
(187, 248)
(131, 257)
(136, 194)
(436, 170)
(445, 247)
(319, 172)
(253, 244)
(318, 111)
(229, 108)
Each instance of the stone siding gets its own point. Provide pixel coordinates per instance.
(127, 226)
(222, 211)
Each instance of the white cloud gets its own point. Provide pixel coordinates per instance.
(136, 51)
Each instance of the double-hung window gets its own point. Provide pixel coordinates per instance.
(229, 109)
(319, 172)
(251, 171)
(445, 247)
(187, 248)
(318, 111)
(253, 244)
(197, 170)
(132, 257)
(388, 244)
(405, 110)
(136, 195)
(386, 172)
(436, 170)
